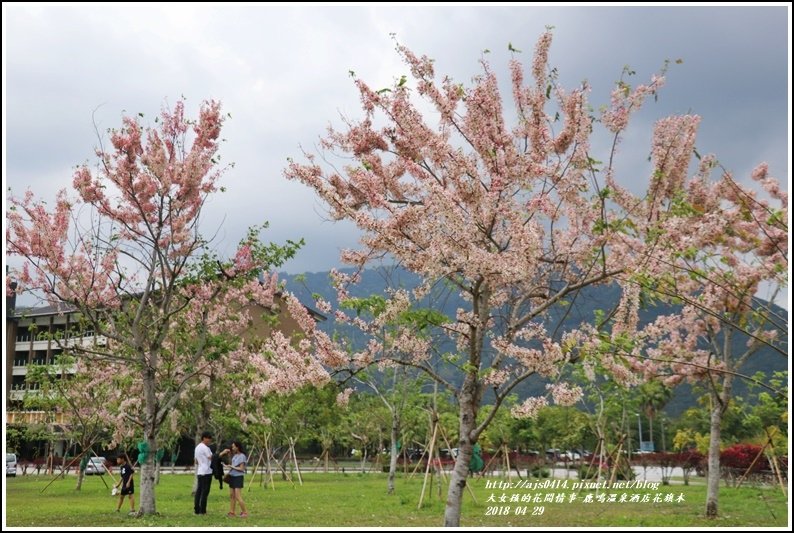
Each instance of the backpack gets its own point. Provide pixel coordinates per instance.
(217, 468)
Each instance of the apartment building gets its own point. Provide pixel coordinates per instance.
(38, 335)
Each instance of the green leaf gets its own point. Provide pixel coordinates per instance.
(469, 368)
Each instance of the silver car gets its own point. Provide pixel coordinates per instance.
(11, 464)
(96, 465)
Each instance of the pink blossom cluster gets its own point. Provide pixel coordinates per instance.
(565, 394)
(626, 101)
(530, 407)
(343, 398)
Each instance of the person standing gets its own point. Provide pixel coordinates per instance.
(127, 483)
(203, 458)
(235, 481)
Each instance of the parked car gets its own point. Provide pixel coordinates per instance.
(552, 454)
(413, 453)
(570, 456)
(11, 464)
(96, 465)
(450, 452)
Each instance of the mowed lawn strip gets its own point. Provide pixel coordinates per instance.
(349, 500)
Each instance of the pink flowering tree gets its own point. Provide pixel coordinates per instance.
(717, 249)
(505, 207)
(391, 383)
(128, 255)
(80, 392)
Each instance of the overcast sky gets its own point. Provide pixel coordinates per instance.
(282, 73)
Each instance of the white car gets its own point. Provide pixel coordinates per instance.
(11, 464)
(96, 465)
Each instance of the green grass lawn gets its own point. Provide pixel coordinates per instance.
(328, 500)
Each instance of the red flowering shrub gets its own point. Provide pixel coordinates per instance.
(741, 456)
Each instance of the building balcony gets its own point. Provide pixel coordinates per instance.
(33, 417)
(92, 340)
(23, 343)
(17, 394)
(21, 368)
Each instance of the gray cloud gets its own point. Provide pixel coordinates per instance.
(283, 75)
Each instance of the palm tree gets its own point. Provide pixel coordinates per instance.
(653, 397)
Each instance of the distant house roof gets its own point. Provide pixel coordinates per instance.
(315, 314)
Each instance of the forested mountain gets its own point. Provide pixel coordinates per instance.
(581, 309)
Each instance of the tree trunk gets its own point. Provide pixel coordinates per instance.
(395, 434)
(713, 476)
(147, 502)
(80, 478)
(378, 453)
(283, 465)
(469, 404)
(148, 505)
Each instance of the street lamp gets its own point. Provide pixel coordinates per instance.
(639, 427)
